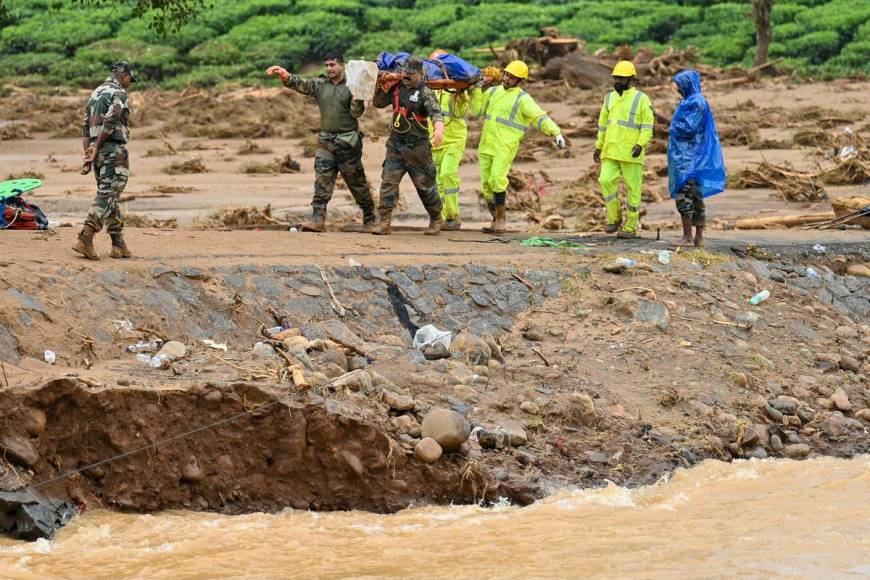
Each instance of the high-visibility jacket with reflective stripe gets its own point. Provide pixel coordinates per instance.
(455, 115)
(507, 114)
(625, 121)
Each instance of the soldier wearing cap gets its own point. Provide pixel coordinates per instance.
(409, 149)
(105, 133)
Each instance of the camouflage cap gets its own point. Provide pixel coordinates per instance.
(412, 65)
(124, 67)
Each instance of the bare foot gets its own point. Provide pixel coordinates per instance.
(685, 243)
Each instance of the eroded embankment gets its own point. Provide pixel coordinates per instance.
(570, 375)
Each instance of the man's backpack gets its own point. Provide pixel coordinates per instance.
(17, 214)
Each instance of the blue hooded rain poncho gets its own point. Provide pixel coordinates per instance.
(694, 151)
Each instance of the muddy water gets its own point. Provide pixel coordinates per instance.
(757, 518)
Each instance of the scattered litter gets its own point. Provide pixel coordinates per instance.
(143, 346)
(538, 241)
(665, 256)
(626, 262)
(50, 357)
(819, 249)
(274, 331)
(143, 358)
(293, 230)
(760, 297)
(812, 273)
(353, 263)
(160, 361)
(218, 345)
(123, 325)
(847, 152)
(848, 131)
(429, 335)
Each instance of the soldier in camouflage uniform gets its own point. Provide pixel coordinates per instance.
(105, 133)
(408, 148)
(339, 144)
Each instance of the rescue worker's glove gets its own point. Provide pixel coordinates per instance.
(596, 157)
(636, 151)
(560, 141)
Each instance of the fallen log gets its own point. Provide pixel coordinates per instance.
(785, 221)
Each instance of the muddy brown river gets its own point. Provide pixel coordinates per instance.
(751, 518)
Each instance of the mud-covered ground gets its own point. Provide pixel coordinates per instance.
(566, 373)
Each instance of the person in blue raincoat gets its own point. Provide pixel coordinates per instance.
(695, 166)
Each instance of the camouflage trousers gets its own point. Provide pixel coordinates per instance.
(335, 154)
(690, 203)
(415, 159)
(112, 170)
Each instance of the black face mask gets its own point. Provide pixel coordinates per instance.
(621, 85)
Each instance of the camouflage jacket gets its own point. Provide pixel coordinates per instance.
(107, 112)
(338, 110)
(411, 109)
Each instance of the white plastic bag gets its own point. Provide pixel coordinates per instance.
(362, 76)
(428, 334)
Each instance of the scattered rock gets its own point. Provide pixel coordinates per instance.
(846, 332)
(847, 363)
(863, 414)
(584, 407)
(464, 392)
(407, 424)
(192, 472)
(436, 351)
(524, 456)
(596, 457)
(797, 451)
(533, 335)
(773, 413)
(449, 428)
(175, 349)
(263, 350)
(785, 405)
(355, 381)
(860, 270)
(123, 382)
(514, 433)
(397, 401)
(827, 360)
(654, 313)
(740, 379)
(19, 450)
(747, 319)
(841, 401)
(491, 439)
(529, 407)
(776, 442)
(428, 450)
(494, 348)
(471, 347)
(334, 356)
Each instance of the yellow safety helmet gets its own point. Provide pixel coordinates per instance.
(518, 68)
(436, 53)
(624, 69)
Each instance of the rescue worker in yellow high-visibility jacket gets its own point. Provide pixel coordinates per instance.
(456, 106)
(625, 128)
(508, 112)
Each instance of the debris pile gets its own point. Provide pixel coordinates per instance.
(194, 165)
(284, 164)
(238, 218)
(135, 220)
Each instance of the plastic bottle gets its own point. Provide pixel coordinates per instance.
(50, 357)
(665, 256)
(161, 360)
(143, 358)
(627, 262)
(760, 297)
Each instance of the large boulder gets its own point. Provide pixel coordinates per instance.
(447, 427)
(471, 347)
